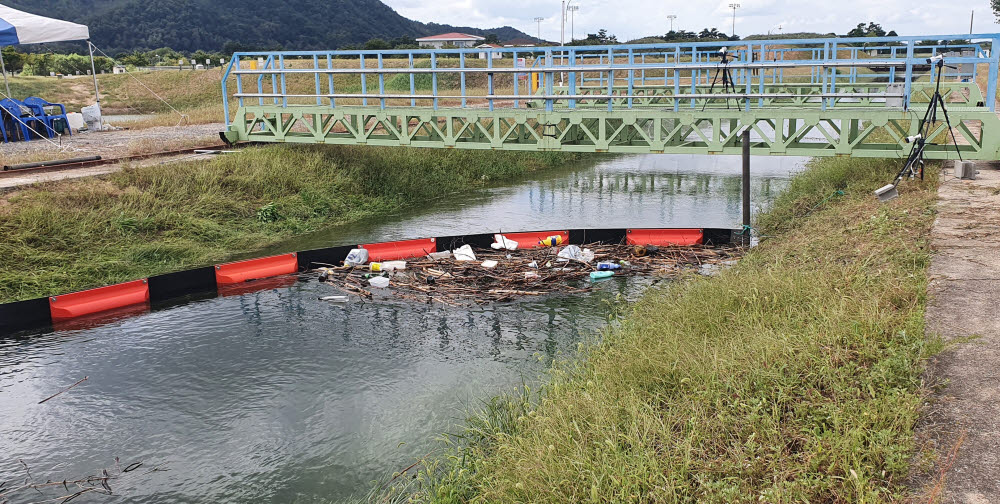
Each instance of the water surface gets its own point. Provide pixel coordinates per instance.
(275, 396)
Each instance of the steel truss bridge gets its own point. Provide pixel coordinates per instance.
(803, 97)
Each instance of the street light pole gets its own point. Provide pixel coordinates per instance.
(562, 24)
(572, 21)
(539, 21)
(734, 6)
(671, 17)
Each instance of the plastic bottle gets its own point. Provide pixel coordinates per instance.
(393, 265)
(597, 275)
(375, 267)
(608, 266)
(551, 241)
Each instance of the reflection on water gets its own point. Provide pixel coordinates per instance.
(277, 396)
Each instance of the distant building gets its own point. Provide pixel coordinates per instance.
(450, 39)
(520, 42)
(496, 55)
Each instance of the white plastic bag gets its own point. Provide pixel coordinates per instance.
(489, 263)
(464, 253)
(571, 252)
(356, 257)
(380, 282)
(502, 242)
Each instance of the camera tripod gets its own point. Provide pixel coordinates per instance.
(727, 80)
(914, 166)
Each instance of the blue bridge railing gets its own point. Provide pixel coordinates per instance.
(817, 73)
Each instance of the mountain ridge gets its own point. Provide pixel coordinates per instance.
(190, 25)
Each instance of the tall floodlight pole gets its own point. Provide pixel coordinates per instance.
(539, 21)
(734, 6)
(562, 24)
(971, 19)
(572, 25)
(671, 17)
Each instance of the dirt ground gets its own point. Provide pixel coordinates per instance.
(111, 144)
(962, 419)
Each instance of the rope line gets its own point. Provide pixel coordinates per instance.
(130, 74)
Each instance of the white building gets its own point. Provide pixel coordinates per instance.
(450, 39)
(496, 55)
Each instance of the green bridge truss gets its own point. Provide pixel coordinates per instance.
(816, 97)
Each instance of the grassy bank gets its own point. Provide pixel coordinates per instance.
(792, 377)
(71, 235)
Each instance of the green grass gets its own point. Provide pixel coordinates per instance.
(72, 235)
(792, 377)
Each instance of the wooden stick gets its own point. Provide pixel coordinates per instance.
(64, 390)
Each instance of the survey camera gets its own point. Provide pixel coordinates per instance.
(935, 59)
(723, 51)
(914, 138)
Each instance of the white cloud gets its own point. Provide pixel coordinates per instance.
(635, 18)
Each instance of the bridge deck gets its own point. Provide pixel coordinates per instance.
(814, 97)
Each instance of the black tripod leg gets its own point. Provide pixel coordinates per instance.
(712, 87)
(947, 121)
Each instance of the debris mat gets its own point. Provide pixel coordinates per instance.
(501, 275)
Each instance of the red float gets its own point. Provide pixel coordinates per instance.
(78, 304)
(253, 269)
(407, 249)
(665, 237)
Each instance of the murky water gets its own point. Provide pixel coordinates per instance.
(275, 396)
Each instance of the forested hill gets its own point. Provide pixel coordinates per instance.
(215, 25)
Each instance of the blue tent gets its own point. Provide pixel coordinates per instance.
(18, 27)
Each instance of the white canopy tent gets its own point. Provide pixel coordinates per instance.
(18, 27)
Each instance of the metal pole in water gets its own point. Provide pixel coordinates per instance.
(746, 186)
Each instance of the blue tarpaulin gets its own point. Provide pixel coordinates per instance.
(18, 27)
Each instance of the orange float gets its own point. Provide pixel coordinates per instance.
(78, 304)
(253, 269)
(665, 237)
(406, 249)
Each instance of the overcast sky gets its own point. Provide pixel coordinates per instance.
(635, 18)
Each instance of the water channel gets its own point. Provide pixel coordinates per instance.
(276, 396)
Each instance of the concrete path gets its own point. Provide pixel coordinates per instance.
(962, 421)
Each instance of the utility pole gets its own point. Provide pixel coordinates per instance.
(671, 17)
(572, 22)
(734, 6)
(562, 24)
(539, 21)
(971, 19)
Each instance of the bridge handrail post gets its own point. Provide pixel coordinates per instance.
(413, 86)
(364, 80)
(319, 98)
(611, 78)
(833, 75)
(677, 78)
(908, 82)
(826, 59)
(489, 78)
(748, 75)
(572, 78)
(461, 77)
(239, 87)
(549, 80)
(381, 84)
(284, 86)
(329, 65)
(991, 86)
(517, 78)
(434, 80)
(631, 77)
